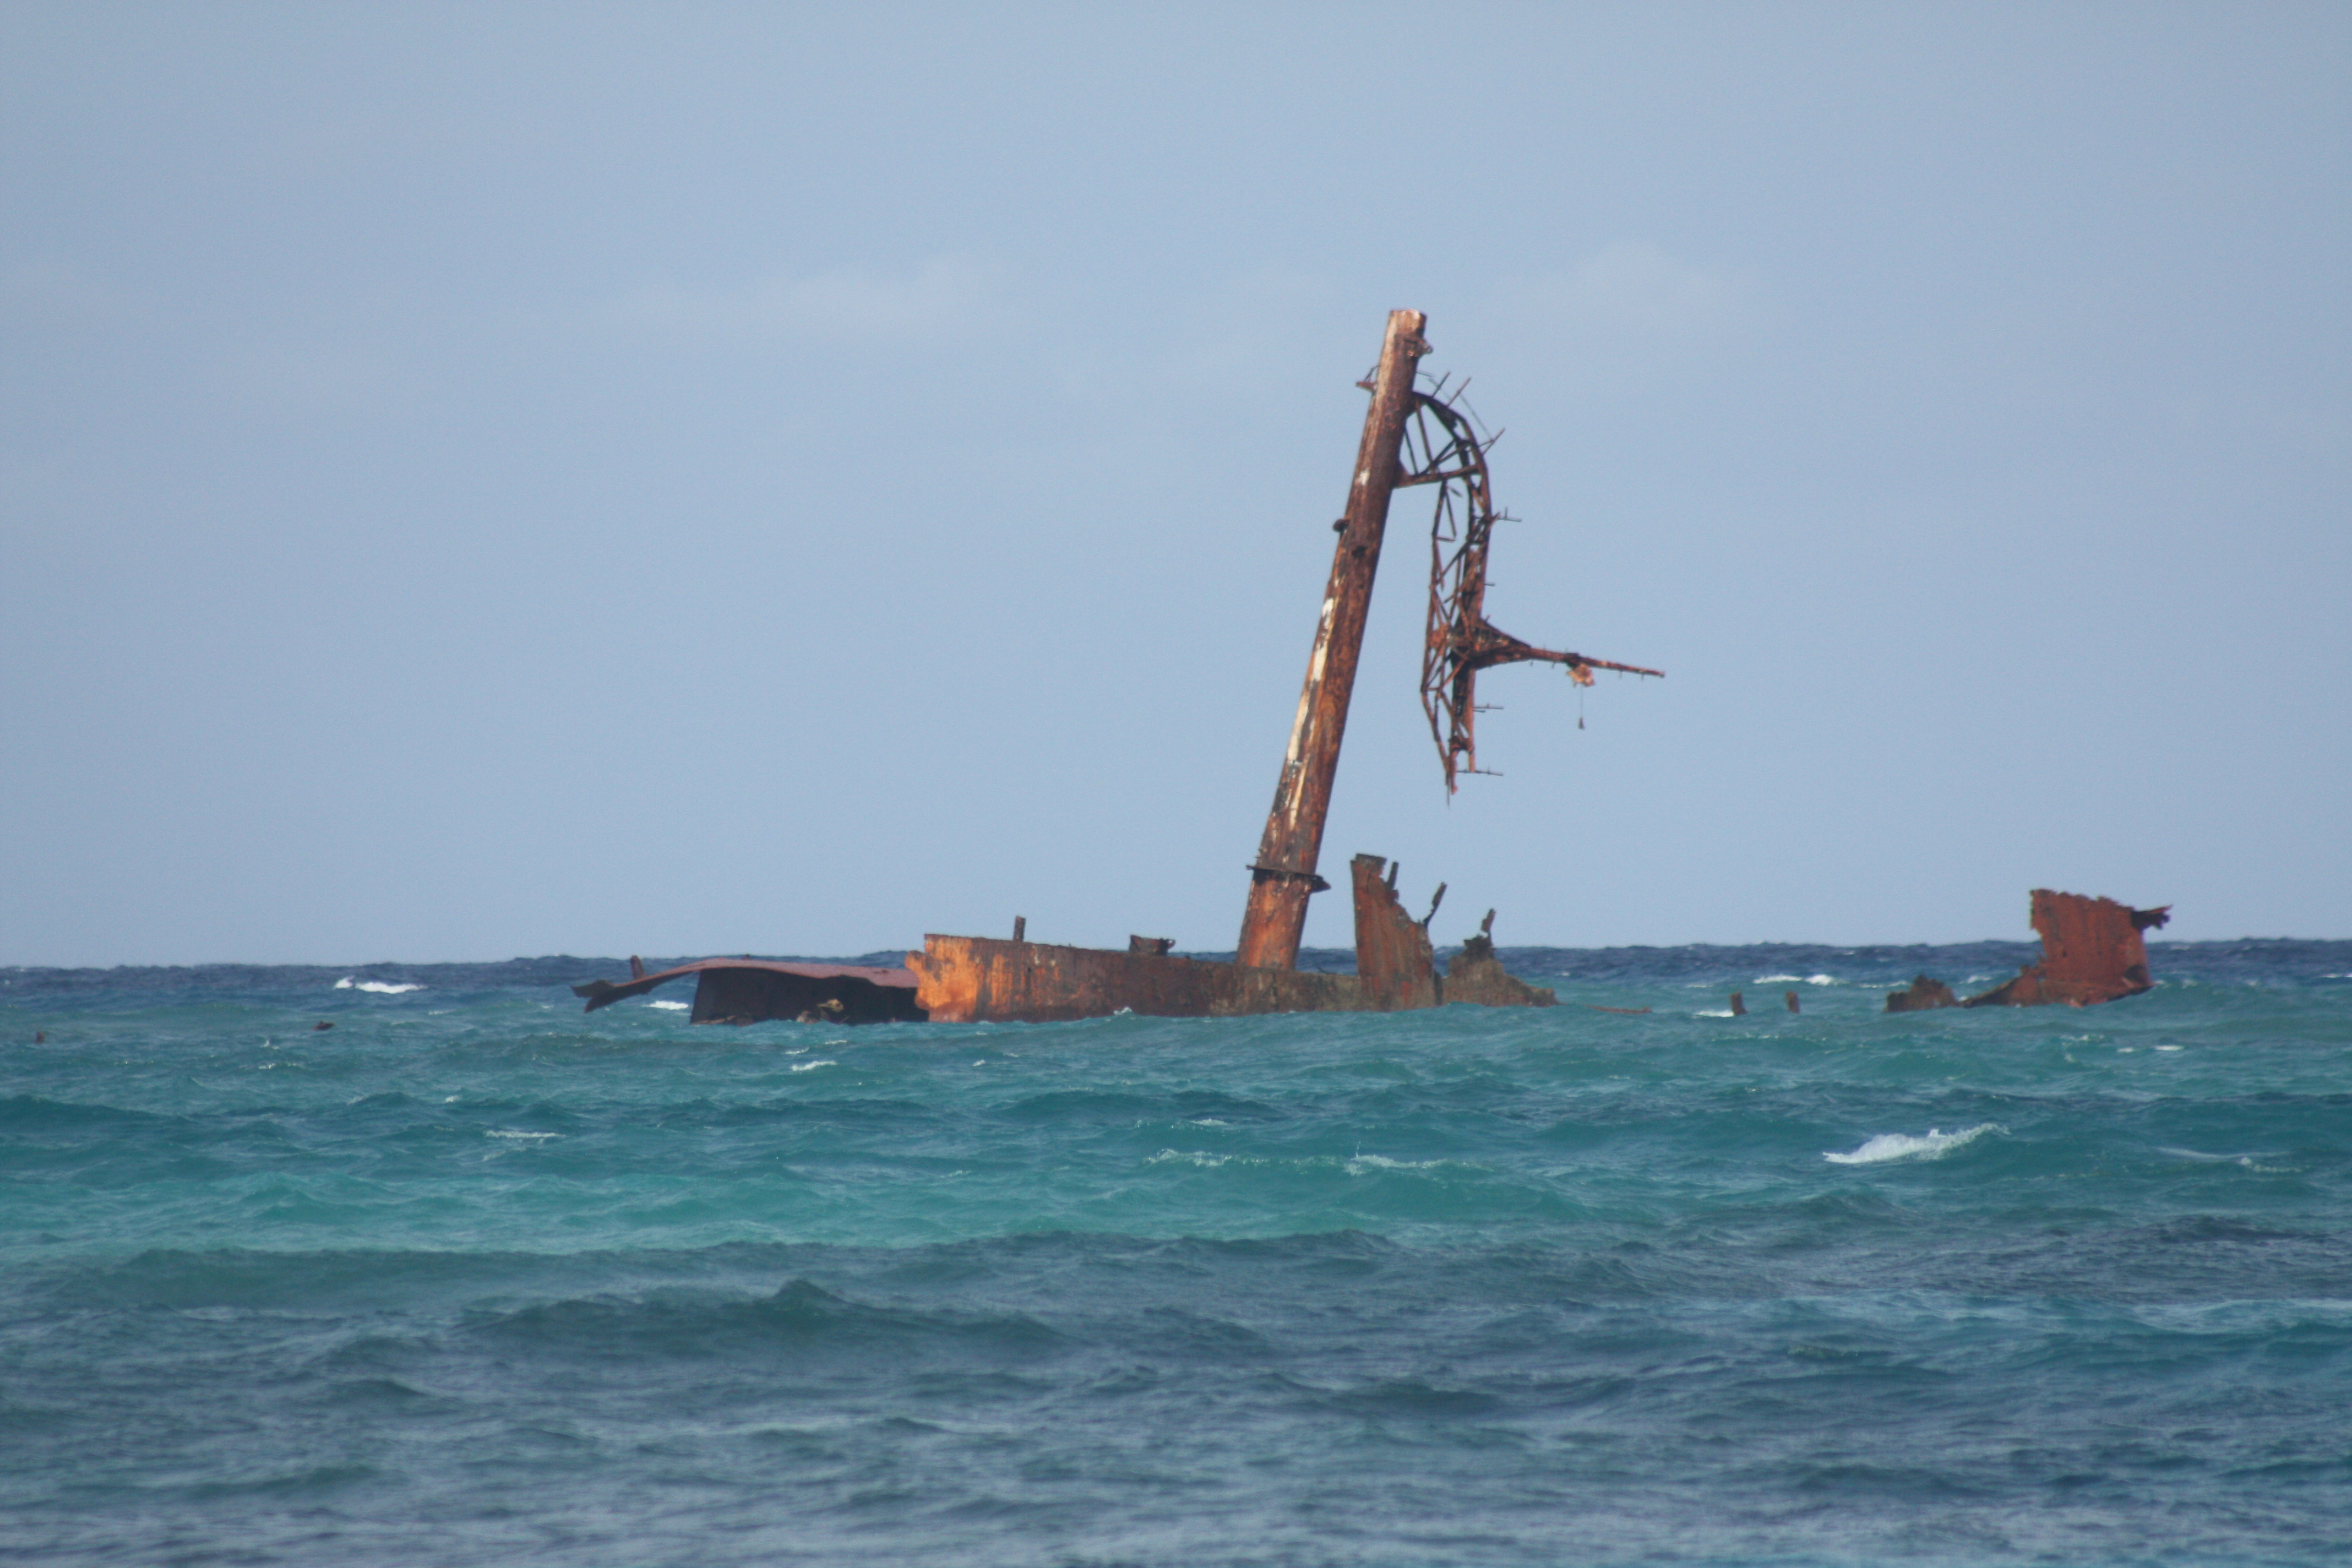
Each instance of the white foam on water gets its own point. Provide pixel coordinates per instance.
(1888, 1146)
(1821, 979)
(1715, 1013)
(812, 1066)
(1207, 1162)
(381, 987)
(2168, 1047)
(533, 1137)
(1363, 1162)
(1776, 980)
(670, 1006)
(1208, 1122)
(344, 984)
(2199, 1156)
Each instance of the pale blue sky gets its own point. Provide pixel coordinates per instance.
(491, 480)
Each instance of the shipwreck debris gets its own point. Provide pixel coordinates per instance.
(2093, 951)
(1411, 437)
(1923, 994)
(1475, 975)
(754, 990)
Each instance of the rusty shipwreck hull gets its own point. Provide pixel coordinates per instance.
(970, 979)
(2093, 951)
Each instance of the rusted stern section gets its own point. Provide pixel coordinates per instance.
(2093, 951)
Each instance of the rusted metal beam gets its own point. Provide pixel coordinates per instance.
(1283, 875)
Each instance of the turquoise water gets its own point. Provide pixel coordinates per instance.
(475, 1278)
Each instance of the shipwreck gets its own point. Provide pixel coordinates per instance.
(1415, 433)
(2093, 951)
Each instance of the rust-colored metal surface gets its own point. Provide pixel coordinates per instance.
(1394, 966)
(1442, 447)
(2093, 951)
(754, 990)
(1283, 875)
(964, 979)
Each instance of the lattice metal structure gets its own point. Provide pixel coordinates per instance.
(1443, 447)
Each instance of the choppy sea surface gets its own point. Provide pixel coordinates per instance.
(473, 1277)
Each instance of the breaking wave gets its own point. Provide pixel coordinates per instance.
(1888, 1146)
(381, 987)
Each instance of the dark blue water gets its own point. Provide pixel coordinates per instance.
(473, 1277)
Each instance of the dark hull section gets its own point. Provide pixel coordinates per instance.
(754, 990)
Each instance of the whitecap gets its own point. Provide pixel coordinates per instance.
(1821, 979)
(2168, 1047)
(1715, 1013)
(381, 987)
(533, 1137)
(1208, 1122)
(1189, 1156)
(812, 1066)
(344, 984)
(668, 1006)
(1362, 1162)
(1776, 980)
(1903, 1146)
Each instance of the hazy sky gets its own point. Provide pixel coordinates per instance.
(479, 480)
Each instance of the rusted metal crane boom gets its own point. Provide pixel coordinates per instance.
(1283, 875)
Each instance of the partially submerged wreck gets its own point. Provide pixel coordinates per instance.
(1411, 436)
(2093, 951)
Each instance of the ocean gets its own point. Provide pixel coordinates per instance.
(474, 1278)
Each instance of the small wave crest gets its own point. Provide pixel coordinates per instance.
(381, 987)
(668, 1006)
(1888, 1146)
